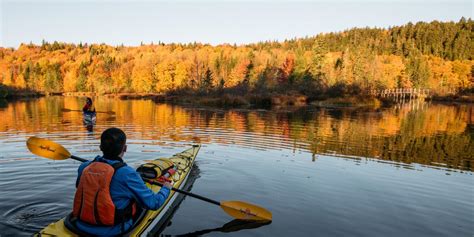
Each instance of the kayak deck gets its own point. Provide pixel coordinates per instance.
(151, 221)
(89, 118)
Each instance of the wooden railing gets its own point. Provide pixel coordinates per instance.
(402, 93)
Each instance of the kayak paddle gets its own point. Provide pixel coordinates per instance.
(49, 149)
(237, 209)
(75, 110)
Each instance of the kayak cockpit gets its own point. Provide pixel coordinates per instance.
(70, 223)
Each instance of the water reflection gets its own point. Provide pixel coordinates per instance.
(277, 159)
(436, 135)
(232, 226)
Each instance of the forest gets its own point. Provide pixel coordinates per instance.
(436, 56)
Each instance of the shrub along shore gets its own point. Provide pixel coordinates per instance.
(267, 100)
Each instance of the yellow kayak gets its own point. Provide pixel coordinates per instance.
(148, 221)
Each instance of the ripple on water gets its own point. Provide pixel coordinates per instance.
(32, 216)
(313, 169)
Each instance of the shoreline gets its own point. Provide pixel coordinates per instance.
(457, 98)
(250, 100)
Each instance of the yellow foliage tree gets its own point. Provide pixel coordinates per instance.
(164, 74)
(142, 77)
(181, 75)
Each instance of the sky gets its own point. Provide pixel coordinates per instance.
(215, 22)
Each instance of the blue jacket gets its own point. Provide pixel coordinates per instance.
(126, 185)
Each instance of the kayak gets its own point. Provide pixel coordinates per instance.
(89, 118)
(147, 221)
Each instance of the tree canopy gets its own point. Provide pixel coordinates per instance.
(435, 55)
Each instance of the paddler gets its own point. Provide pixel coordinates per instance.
(88, 107)
(109, 191)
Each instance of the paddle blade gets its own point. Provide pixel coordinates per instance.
(246, 211)
(46, 148)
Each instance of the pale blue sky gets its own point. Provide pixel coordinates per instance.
(212, 22)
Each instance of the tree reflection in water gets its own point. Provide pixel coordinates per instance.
(423, 133)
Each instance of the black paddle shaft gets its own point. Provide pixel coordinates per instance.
(161, 185)
(186, 193)
(78, 158)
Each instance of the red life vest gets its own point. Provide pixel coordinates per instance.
(88, 108)
(92, 201)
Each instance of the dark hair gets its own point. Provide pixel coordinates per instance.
(112, 142)
(89, 100)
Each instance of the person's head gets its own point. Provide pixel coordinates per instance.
(112, 143)
(89, 100)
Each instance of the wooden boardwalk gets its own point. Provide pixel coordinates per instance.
(401, 94)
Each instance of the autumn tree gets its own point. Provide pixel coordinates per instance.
(417, 69)
(286, 69)
(143, 79)
(181, 75)
(206, 85)
(53, 79)
(164, 73)
(82, 77)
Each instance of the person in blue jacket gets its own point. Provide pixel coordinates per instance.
(125, 190)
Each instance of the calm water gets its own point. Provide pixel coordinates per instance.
(401, 171)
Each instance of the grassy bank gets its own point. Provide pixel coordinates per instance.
(229, 100)
(460, 98)
(13, 93)
(269, 101)
(351, 102)
(122, 96)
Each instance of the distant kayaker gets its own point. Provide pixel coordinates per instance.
(109, 192)
(88, 107)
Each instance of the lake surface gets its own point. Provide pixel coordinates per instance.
(402, 171)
